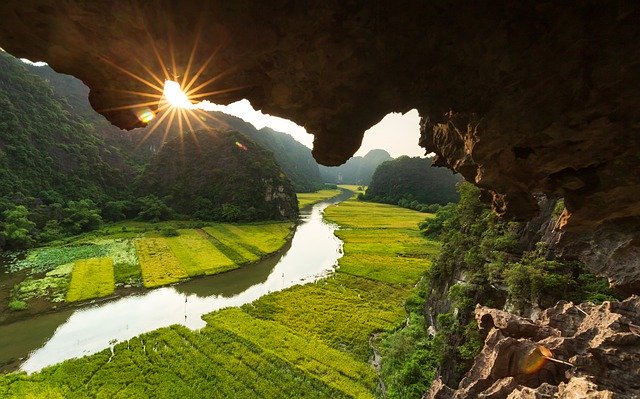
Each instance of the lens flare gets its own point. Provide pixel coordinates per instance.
(241, 146)
(535, 361)
(146, 115)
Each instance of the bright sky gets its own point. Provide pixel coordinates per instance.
(396, 133)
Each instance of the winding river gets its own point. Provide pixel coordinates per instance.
(51, 338)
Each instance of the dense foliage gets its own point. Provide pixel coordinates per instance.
(478, 264)
(411, 183)
(46, 151)
(215, 175)
(357, 170)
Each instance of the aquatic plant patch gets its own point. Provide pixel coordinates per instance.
(91, 278)
(44, 259)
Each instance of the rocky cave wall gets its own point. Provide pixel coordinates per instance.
(520, 97)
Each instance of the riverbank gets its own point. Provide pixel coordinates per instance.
(305, 341)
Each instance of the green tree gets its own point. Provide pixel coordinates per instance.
(81, 216)
(153, 209)
(17, 230)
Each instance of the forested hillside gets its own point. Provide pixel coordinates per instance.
(409, 180)
(48, 152)
(357, 170)
(215, 175)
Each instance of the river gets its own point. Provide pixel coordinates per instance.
(51, 338)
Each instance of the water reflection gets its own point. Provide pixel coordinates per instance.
(312, 254)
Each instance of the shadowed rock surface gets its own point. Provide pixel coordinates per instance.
(520, 97)
(601, 342)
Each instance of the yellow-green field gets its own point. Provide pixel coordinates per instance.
(309, 341)
(306, 199)
(259, 239)
(91, 278)
(159, 264)
(197, 254)
(357, 189)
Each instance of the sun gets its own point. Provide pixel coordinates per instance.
(168, 99)
(175, 96)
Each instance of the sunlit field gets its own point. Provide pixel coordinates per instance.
(306, 199)
(310, 341)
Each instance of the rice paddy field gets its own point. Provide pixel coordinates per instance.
(309, 341)
(91, 278)
(307, 199)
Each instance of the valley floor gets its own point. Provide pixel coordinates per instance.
(306, 341)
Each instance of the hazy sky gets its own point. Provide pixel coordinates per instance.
(396, 133)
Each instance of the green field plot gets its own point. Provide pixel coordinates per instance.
(175, 362)
(197, 254)
(158, 263)
(332, 366)
(391, 255)
(259, 239)
(306, 199)
(231, 245)
(356, 188)
(371, 215)
(342, 311)
(91, 278)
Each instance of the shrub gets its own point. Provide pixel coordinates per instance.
(169, 232)
(18, 305)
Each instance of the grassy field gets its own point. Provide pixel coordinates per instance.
(357, 189)
(307, 199)
(91, 278)
(306, 341)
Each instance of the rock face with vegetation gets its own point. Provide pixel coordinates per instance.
(412, 179)
(216, 175)
(598, 348)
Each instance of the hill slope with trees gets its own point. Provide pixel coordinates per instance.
(216, 175)
(412, 179)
